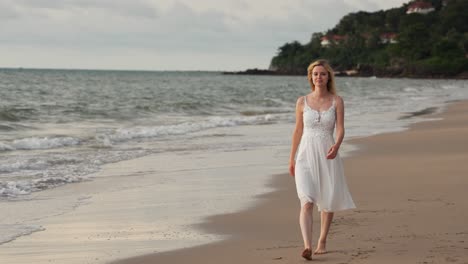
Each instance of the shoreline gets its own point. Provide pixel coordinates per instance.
(144, 205)
(265, 72)
(404, 224)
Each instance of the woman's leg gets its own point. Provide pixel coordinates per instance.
(326, 219)
(305, 221)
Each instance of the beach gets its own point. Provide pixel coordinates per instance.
(168, 165)
(410, 192)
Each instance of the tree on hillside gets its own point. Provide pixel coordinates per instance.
(454, 16)
(392, 19)
(288, 56)
(413, 42)
(427, 44)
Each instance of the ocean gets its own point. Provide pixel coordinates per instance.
(63, 127)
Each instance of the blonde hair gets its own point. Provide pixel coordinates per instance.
(331, 77)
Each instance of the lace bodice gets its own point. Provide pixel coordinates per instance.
(319, 123)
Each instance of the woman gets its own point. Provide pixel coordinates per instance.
(318, 169)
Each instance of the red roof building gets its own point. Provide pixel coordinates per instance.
(327, 40)
(388, 38)
(420, 7)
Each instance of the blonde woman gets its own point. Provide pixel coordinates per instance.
(314, 160)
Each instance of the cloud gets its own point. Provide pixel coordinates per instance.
(163, 29)
(7, 11)
(47, 8)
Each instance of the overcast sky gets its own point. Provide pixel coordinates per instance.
(162, 34)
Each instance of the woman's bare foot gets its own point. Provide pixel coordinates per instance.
(321, 248)
(307, 254)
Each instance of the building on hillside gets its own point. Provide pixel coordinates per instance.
(388, 38)
(327, 40)
(420, 7)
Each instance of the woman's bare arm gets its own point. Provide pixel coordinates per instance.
(297, 134)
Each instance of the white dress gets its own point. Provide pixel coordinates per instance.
(320, 180)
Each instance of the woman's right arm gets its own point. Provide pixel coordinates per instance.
(297, 134)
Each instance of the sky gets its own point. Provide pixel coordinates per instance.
(214, 35)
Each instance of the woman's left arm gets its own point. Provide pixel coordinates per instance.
(339, 127)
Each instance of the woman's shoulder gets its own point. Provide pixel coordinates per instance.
(301, 99)
(338, 100)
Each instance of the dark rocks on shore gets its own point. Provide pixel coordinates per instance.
(361, 71)
(265, 72)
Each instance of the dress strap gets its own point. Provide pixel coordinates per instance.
(305, 101)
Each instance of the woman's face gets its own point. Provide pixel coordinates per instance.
(319, 76)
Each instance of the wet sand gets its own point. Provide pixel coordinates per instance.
(410, 190)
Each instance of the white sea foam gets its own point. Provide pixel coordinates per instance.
(44, 142)
(4, 147)
(26, 186)
(22, 175)
(13, 189)
(410, 89)
(449, 86)
(124, 134)
(419, 98)
(17, 165)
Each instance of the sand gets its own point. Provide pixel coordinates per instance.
(411, 190)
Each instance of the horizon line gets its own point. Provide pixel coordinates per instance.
(110, 69)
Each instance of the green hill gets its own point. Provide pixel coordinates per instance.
(420, 39)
